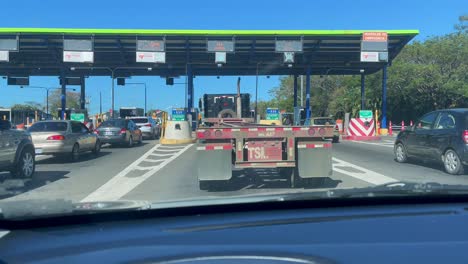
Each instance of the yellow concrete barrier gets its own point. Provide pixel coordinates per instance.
(177, 132)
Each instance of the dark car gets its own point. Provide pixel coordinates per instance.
(119, 131)
(17, 153)
(441, 136)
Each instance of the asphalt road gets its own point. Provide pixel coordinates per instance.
(153, 172)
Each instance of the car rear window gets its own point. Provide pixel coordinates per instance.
(49, 127)
(324, 121)
(139, 120)
(112, 123)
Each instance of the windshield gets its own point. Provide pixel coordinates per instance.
(324, 121)
(113, 123)
(140, 120)
(178, 103)
(48, 127)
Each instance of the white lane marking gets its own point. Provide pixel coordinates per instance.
(171, 147)
(161, 155)
(120, 185)
(154, 160)
(168, 150)
(375, 144)
(144, 168)
(364, 174)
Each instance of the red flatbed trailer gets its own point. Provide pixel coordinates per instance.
(239, 143)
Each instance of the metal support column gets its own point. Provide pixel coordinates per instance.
(295, 91)
(112, 94)
(82, 93)
(63, 96)
(189, 87)
(384, 97)
(308, 108)
(363, 92)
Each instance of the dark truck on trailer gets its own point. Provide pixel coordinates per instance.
(237, 142)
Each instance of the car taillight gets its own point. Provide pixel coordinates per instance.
(56, 137)
(123, 131)
(96, 132)
(148, 125)
(465, 136)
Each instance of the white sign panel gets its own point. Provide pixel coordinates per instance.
(78, 56)
(151, 57)
(4, 55)
(369, 56)
(220, 57)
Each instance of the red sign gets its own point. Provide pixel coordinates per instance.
(375, 36)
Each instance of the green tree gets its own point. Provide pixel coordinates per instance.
(72, 101)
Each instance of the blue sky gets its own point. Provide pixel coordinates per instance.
(430, 17)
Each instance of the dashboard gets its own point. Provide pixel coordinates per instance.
(410, 233)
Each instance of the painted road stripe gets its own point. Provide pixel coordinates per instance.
(363, 174)
(161, 154)
(120, 185)
(375, 144)
(171, 147)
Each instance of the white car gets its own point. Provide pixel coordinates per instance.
(148, 126)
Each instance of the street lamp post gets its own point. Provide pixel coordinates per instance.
(47, 93)
(144, 84)
(112, 70)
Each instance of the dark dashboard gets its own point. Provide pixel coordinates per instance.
(410, 233)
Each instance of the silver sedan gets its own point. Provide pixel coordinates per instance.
(63, 137)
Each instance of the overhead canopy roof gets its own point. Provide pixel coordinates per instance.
(326, 51)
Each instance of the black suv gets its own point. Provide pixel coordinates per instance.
(441, 136)
(17, 153)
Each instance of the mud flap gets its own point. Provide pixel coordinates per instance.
(214, 165)
(314, 159)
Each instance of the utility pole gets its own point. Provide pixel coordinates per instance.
(100, 102)
(302, 90)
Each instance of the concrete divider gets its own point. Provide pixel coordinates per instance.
(177, 132)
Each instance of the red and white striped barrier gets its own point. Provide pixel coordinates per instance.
(358, 130)
(357, 127)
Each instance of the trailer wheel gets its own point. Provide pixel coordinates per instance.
(227, 113)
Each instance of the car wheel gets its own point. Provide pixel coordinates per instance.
(75, 155)
(400, 153)
(140, 140)
(97, 148)
(336, 139)
(130, 142)
(26, 164)
(452, 163)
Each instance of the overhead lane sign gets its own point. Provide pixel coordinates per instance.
(151, 51)
(78, 50)
(6, 46)
(374, 47)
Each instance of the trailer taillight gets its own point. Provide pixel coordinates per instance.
(311, 131)
(218, 133)
(206, 133)
(322, 131)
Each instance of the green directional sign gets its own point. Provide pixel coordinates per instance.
(365, 114)
(272, 114)
(77, 117)
(178, 114)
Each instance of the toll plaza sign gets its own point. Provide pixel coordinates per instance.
(78, 50)
(220, 46)
(151, 51)
(374, 47)
(6, 46)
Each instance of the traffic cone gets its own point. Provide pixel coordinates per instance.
(390, 130)
(403, 125)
